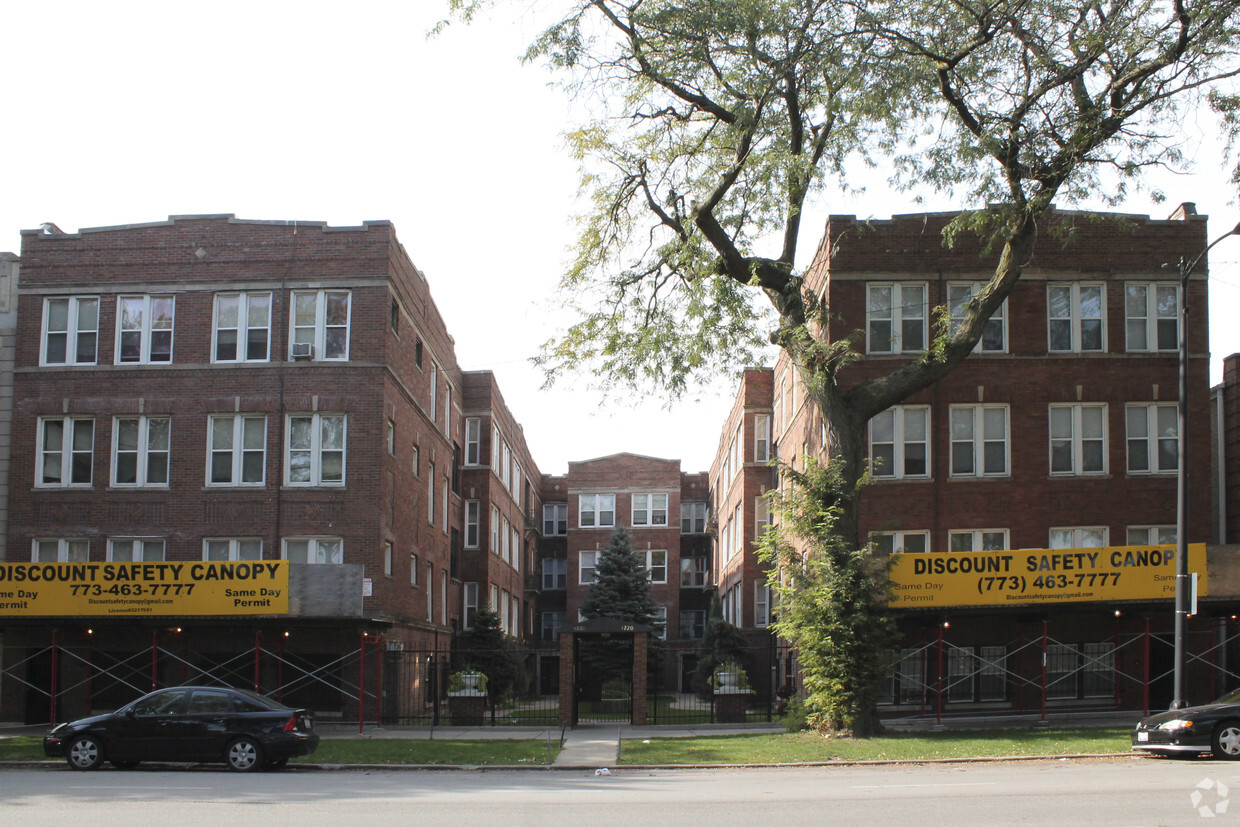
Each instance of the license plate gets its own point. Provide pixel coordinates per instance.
(1143, 736)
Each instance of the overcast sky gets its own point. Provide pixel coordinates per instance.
(129, 112)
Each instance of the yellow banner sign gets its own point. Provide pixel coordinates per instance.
(1032, 576)
(167, 588)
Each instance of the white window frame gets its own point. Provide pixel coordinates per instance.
(66, 452)
(495, 547)
(1145, 317)
(695, 513)
(761, 604)
(555, 519)
(471, 605)
(145, 328)
(646, 509)
(899, 540)
(1076, 536)
(1163, 535)
(246, 323)
(902, 418)
(387, 558)
(67, 549)
(497, 440)
(76, 328)
(978, 539)
(316, 450)
(232, 548)
(236, 427)
(693, 571)
(762, 438)
(554, 573)
(596, 506)
(583, 557)
(473, 523)
(899, 316)
(959, 294)
(1076, 440)
(658, 621)
(972, 437)
(320, 550)
(1075, 321)
(473, 441)
(301, 331)
(1145, 431)
(444, 501)
(656, 562)
(155, 546)
(145, 455)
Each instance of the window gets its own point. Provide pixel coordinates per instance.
(994, 331)
(416, 460)
(140, 450)
(585, 567)
(1151, 535)
(66, 451)
(979, 540)
(597, 511)
(242, 330)
(761, 604)
(495, 529)
(506, 467)
(658, 621)
(471, 605)
(473, 517)
(321, 323)
(693, 572)
(761, 438)
(1078, 439)
(901, 542)
(394, 316)
(1153, 438)
(1090, 537)
(238, 450)
(761, 516)
(979, 440)
(899, 442)
(430, 592)
(896, 318)
(555, 519)
(693, 624)
(1075, 319)
(387, 558)
(316, 449)
(314, 550)
(232, 548)
(505, 536)
(144, 329)
(70, 331)
(1151, 317)
(554, 573)
(430, 494)
(550, 622)
(389, 437)
(129, 550)
(413, 569)
(60, 550)
(434, 406)
(417, 352)
(656, 565)
(473, 440)
(649, 509)
(496, 442)
(505, 613)
(443, 504)
(693, 518)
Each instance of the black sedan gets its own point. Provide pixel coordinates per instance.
(1213, 728)
(196, 724)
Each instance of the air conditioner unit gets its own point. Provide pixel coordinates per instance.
(303, 350)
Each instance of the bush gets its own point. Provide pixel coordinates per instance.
(795, 718)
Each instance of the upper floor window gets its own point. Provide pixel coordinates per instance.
(649, 509)
(979, 440)
(1078, 439)
(140, 450)
(134, 550)
(473, 441)
(554, 573)
(656, 565)
(597, 511)
(60, 550)
(1075, 317)
(1153, 438)
(1087, 537)
(693, 517)
(693, 572)
(242, 329)
(70, 331)
(901, 542)
(320, 328)
(471, 605)
(555, 519)
(994, 331)
(1151, 317)
(238, 449)
(232, 548)
(585, 567)
(761, 604)
(899, 442)
(473, 523)
(896, 318)
(314, 550)
(762, 438)
(316, 449)
(979, 540)
(144, 329)
(1151, 535)
(66, 451)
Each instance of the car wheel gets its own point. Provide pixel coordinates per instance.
(125, 765)
(244, 755)
(1225, 743)
(277, 764)
(84, 753)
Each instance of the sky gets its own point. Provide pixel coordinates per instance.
(128, 112)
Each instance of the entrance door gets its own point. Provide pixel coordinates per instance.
(604, 674)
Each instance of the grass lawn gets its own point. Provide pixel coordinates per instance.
(805, 746)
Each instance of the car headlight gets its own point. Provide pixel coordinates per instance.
(1176, 723)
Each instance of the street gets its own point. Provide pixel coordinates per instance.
(1122, 791)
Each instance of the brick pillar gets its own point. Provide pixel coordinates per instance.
(566, 679)
(640, 642)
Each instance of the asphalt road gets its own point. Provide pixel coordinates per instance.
(1059, 792)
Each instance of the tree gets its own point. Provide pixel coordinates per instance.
(487, 649)
(621, 586)
(718, 123)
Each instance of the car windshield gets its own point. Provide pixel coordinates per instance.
(1232, 697)
(262, 700)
